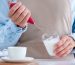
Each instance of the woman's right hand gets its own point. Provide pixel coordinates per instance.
(19, 14)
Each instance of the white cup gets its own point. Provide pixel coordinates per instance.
(49, 42)
(17, 52)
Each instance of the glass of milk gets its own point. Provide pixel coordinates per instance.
(49, 42)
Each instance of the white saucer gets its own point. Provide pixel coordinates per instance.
(27, 59)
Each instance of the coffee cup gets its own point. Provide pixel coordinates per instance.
(17, 52)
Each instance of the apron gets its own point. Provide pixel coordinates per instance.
(53, 17)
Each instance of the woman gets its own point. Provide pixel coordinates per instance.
(19, 14)
(54, 16)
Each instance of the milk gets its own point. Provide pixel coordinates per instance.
(50, 43)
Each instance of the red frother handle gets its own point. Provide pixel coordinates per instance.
(31, 21)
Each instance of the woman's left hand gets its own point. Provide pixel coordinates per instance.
(64, 46)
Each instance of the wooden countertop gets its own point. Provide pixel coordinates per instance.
(29, 63)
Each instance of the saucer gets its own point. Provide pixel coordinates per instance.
(26, 59)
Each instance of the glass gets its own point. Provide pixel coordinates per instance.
(49, 42)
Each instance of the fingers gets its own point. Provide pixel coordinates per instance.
(65, 52)
(18, 13)
(62, 47)
(14, 8)
(24, 22)
(22, 16)
(62, 41)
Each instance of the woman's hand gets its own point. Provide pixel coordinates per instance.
(19, 14)
(64, 46)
